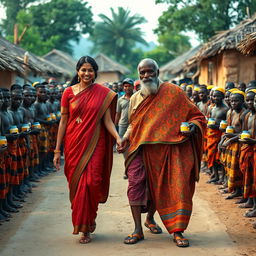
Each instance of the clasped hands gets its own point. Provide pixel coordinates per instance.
(122, 145)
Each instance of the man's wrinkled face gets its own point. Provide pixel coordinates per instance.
(148, 74)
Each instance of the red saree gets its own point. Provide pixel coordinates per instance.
(88, 152)
(171, 160)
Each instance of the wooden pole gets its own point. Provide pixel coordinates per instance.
(15, 34)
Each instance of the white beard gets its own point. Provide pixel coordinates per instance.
(149, 88)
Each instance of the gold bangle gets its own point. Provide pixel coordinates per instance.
(57, 151)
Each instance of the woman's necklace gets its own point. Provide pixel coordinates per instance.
(79, 120)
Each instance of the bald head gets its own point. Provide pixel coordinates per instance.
(148, 72)
(148, 62)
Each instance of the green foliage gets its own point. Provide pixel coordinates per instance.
(116, 36)
(66, 18)
(53, 24)
(204, 17)
(160, 54)
(32, 40)
(12, 8)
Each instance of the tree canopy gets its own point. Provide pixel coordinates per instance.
(116, 36)
(52, 24)
(204, 17)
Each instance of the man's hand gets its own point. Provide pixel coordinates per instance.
(192, 130)
(124, 145)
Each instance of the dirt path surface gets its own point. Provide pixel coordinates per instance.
(43, 227)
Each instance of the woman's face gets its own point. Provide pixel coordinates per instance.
(86, 74)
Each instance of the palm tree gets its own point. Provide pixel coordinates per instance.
(117, 36)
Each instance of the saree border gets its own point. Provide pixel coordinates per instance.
(90, 149)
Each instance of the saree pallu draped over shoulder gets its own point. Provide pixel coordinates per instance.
(88, 149)
(171, 160)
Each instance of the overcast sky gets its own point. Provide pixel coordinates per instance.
(146, 8)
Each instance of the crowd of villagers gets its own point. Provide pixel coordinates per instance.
(229, 156)
(29, 117)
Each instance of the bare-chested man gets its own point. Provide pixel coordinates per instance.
(29, 111)
(4, 186)
(218, 113)
(11, 158)
(42, 113)
(229, 144)
(23, 145)
(247, 159)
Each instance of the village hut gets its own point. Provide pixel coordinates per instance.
(175, 68)
(219, 61)
(248, 45)
(63, 60)
(109, 70)
(16, 63)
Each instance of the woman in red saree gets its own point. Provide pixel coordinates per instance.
(88, 132)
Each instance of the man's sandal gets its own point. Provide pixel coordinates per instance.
(85, 239)
(180, 241)
(133, 238)
(154, 228)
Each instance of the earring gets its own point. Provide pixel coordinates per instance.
(78, 79)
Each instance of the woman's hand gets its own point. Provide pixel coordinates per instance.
(118, 142)
(56, 160)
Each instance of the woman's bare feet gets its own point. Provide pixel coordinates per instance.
(85, 238)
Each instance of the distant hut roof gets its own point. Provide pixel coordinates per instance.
(176, 65)
(108, 65)
(35, 63)
(62, 59)
(248, 45)
(225, 40)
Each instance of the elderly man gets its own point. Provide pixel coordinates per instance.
(162, 162)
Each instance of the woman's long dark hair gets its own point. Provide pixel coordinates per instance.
(82, 60)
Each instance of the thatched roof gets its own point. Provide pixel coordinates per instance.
(61, 59)
(107, 65)
(177, 65)
(8, 62)
(225, 40)
(248, 45)
(12, 53)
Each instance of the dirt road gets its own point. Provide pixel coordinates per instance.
(43, 227)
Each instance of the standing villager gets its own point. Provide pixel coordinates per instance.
(170, 158)
(247, 159)
(86, 125)
(230, 146)
(218, 113)
(121, 119)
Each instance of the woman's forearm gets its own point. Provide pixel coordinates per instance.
(110, 125)
(61, 132)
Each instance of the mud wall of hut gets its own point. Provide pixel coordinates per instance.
(7, 78)
(109, 77)
(229, 66)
